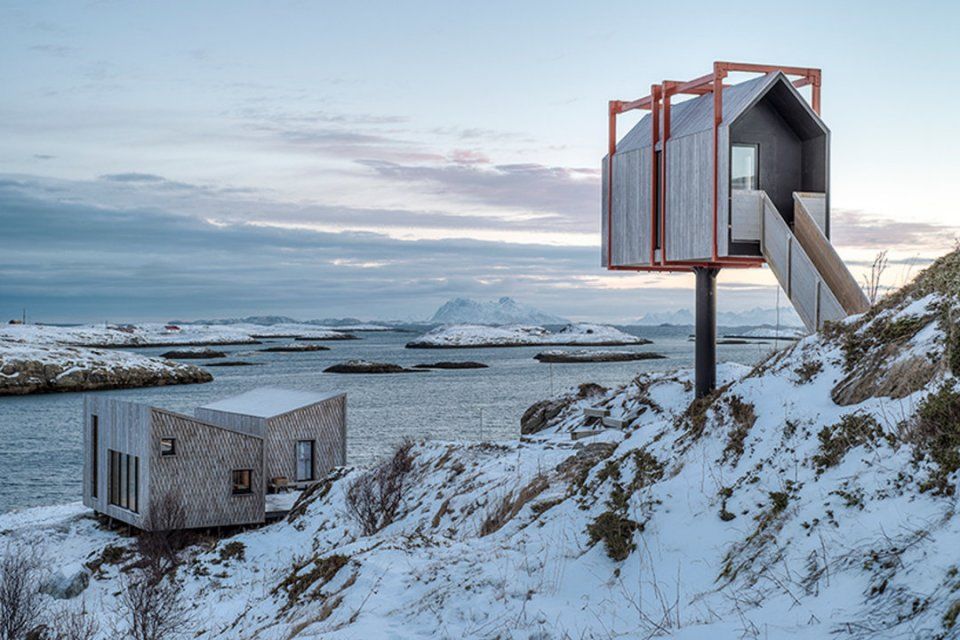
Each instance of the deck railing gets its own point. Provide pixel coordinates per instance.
(808, 291)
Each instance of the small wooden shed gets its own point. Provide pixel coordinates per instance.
(732, 176)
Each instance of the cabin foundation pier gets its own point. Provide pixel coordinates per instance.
(706, 331)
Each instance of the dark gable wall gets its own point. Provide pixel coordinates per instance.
(781, 171)
(793, 149)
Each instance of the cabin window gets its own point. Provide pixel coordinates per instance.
(744, 167)
(94, 458)
(168, 446)
(304, 460)
(242, 481)
(124, 487)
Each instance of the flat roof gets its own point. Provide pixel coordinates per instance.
(267, 402)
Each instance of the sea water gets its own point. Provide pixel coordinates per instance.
(41, 439)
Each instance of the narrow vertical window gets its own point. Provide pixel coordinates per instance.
(94, 459)
(305, 455)
(744, 167)
(123, 487)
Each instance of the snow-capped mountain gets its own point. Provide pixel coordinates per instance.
(751, 317)
(503, 311)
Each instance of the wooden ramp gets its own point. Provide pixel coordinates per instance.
(806, 265)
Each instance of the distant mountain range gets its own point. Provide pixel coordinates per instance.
(502, 311)
(751, 317)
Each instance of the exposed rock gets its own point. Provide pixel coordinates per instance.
(364, 366)
(595, 356)
(193, 354)
(452, 365)
(45, 369)
(339, 336)
(587, 457)
(295, 348)
(63, 587)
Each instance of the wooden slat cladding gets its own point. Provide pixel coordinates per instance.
(689, 214)
(123, 427)
(325, 423)
(199, 475)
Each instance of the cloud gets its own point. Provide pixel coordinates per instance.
(856, 229)
(575, 193)
(43, 156)
(57, 50)
(132, 177)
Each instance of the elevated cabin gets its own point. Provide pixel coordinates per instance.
(732, 177)
(157, 469)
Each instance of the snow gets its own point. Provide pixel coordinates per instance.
(855, 550)
(471, 335)
(499, 312)
(155, 334)
(73, 359)
(266, 402)
(789, 333)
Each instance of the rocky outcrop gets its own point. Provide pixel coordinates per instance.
(64, 587)
(451, 365)
(45, 369)
(193, 354)
(295, 348)
(364, 366)
(540, 414)
(595, 356)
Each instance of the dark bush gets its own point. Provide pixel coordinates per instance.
(616, 533)
(374, 499)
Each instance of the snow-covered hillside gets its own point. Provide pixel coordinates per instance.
(812, 496)
(502, 311)
(473, 335)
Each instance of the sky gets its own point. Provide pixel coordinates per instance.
(220, 159)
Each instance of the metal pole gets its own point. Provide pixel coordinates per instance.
(706, 330)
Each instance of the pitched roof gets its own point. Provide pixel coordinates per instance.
(267, 402)
(696, 115)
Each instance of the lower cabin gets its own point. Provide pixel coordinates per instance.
(158, 470)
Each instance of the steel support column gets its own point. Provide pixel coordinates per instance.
(706, 330)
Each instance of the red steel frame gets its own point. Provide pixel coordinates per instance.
(658, 103)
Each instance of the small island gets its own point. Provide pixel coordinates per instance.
(26, 369)
(595, 356)
(451, 365)
(477, 336)
(193, 354)
(365, 366)
(294, 348)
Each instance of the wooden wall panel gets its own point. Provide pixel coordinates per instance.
(689, 219)
(604, 199)
(325, 423)
(122, 426)
(200, 474)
